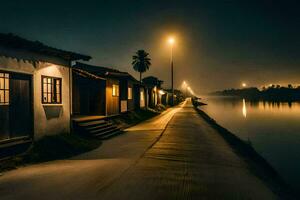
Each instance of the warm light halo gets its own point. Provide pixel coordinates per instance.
(171, 40)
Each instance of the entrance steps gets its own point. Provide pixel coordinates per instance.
(99, 127)
(14, 146)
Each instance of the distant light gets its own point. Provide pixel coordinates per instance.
(161, 92)
(244, 84)
(171, 40)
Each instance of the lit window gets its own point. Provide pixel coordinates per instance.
(4, 89)
(51, 90)
(142, 95)
(115, 90)
(129, 93)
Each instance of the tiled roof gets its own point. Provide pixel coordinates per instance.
(103, 71)
(16, 42)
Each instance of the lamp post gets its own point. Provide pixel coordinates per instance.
(171, 42)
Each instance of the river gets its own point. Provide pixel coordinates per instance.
(272, 128)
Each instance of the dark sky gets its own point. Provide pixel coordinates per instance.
(219, 43)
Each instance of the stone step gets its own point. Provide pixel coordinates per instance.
(107, 133)
(91, 123)
(91, 128)
(88, 118)
(99, 131)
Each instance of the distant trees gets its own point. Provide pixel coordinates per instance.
(141, 62)
(273, 93)
(152, 80)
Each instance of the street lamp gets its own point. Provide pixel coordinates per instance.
(185, 85)
(171, 41)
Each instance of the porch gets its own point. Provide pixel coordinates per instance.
(98, 126)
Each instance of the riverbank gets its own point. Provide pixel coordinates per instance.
(257, 164)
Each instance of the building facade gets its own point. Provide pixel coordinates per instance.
(34, 88)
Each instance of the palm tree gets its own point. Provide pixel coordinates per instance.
(141, 62)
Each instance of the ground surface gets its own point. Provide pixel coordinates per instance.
(176, 155)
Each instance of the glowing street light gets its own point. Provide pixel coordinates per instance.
(171, 41)
(185, 85)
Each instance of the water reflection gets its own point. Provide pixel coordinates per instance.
(272, 127)
(244, 108)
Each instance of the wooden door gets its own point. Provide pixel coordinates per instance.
(20, 107)
(88, 96)
(97, 97)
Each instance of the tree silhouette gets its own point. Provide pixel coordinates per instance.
(141, 62)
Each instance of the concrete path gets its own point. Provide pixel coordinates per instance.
(174, 156)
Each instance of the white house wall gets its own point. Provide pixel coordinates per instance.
(48, 119)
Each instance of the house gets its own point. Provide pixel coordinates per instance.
(103, 91)
(34, 89)
(142, 101)
(165, 96)
(178, 96)
(154, 91)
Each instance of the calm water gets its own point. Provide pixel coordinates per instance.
(272, 128)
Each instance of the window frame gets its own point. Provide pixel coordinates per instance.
(53, 89)
(6, 76)
(131, 93)
(117, 90)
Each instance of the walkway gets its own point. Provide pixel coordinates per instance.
(176, 155)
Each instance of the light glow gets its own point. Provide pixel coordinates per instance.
(171, 40)
(244, 109)
(161, 92)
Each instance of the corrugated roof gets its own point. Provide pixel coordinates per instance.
(16, 42)
(103, 71)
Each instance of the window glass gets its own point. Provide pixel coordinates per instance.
(51, 90)
(142, 95)
(6, 95)
(115, 90)
(4, 89)
(2, 96)
(1, 83)
(129, 93)
(6, 83)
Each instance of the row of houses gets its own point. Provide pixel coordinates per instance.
(42, 89)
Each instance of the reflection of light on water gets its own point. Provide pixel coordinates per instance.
(244, 108)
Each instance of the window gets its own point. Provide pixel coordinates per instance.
(129, 93)
(51, 90)
(142, 95)
(115, 90)
(4, 89)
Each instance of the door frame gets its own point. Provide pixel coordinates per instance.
(31, 96)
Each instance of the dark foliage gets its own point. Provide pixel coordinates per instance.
(272, 93)
(141, 62)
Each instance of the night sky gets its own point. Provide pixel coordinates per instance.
(220, 44)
